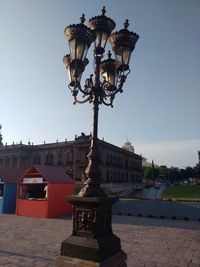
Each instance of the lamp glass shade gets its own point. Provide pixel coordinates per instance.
(66, 60)
(118, 55)
(101, 39)
(98, 39)
(70, 75)
(72, 47)
(110, 77)
(123, 54)
(126, 55)
(105, 75)
(78, 49)
(75, 71)
(81, 50)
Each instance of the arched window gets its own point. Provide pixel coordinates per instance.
(7, 162)
(49, 159)
(60, 159)
(37, 159)
(69, 156)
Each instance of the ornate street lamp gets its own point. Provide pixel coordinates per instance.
(92, 238)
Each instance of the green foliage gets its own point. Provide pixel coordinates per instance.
(147, 173)
(150, 173)
(175, 174)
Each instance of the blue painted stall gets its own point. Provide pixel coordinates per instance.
(8, 189)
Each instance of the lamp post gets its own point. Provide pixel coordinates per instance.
(92, 239)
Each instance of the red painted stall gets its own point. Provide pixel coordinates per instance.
(41, 192)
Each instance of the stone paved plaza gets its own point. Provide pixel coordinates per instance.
(148, 242)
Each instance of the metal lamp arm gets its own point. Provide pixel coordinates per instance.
(87, 91)
(103, 101)
(76, 100)
(106, 93)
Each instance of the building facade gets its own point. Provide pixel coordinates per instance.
(118, 165)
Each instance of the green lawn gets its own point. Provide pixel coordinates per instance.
(182, 192)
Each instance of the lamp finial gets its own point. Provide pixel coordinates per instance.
(103, 11)
(82, 18)
(126, 24)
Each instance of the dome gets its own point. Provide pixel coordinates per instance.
(128, 146)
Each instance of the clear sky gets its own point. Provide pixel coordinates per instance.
(159, 110)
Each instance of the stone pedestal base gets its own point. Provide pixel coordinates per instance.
(92, 243)
(117, 260)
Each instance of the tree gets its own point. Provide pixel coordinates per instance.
(189, 172)
(147, 173)
(174, 174)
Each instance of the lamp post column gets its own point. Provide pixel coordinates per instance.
(93, 172)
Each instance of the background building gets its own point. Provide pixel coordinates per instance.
(117, 164)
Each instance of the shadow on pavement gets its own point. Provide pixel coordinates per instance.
(14, 253)
(158, 209)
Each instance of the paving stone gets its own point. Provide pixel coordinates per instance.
(31, 242)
